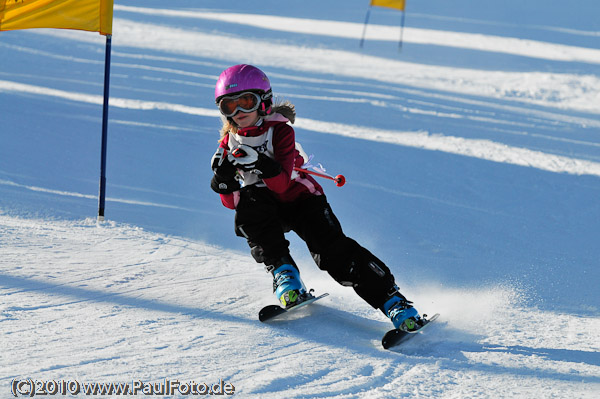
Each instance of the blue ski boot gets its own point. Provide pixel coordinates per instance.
(401, 312)
(288, 286)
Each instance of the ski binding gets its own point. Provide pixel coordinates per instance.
(272, 311)
(396, 336)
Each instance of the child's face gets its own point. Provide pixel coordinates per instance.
(245, 119)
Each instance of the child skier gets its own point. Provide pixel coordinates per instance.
(258, 150)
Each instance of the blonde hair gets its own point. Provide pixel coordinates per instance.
(228, 126)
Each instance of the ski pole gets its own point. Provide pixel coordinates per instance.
(339, 180)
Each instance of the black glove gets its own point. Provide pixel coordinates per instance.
(221, 165)
(224, 186)
(248, 159)
(266, 167)
(224, 181)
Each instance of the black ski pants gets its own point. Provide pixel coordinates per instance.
(263, 221)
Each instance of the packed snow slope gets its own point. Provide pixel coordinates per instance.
(472, 160)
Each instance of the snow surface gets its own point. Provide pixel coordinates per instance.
(472, 160)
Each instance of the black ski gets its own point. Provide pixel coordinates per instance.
(271, 311)
(395, 337)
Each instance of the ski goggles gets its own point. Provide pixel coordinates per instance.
(245, 102)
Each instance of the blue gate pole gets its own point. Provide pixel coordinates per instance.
(401, 31)
(362, 39)
(102, 194)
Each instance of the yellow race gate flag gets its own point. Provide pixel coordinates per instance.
(397, 4)
(88, 15)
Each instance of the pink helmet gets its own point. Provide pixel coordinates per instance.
(243, 77)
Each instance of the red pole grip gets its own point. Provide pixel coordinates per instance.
(339, 180)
